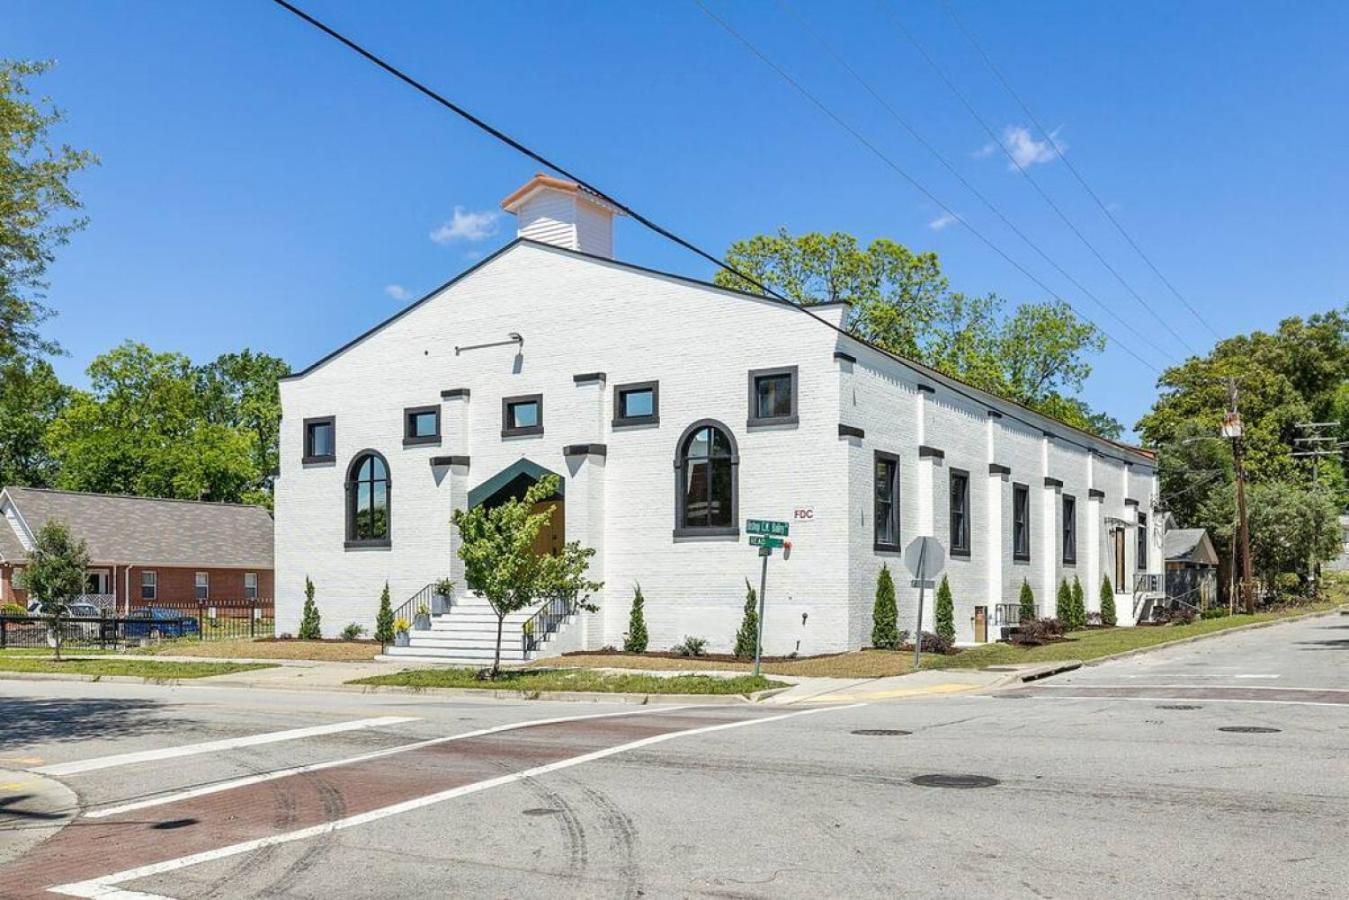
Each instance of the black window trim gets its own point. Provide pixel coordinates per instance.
(622, 421)
(1024, 491)
(349, 505)
(528, 430)
(411, 440)
(877, 457)
(1067, 527)
(792, 418)
(308, 458)
(700, 532)
(961, 552)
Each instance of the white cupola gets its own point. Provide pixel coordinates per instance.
(563, 213)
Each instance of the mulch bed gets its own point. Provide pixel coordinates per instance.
(295, 640)
(706, 657)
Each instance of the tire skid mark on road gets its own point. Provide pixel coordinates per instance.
(623, 839)
(239, 822)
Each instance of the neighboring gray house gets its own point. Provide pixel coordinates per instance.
(1191, 566)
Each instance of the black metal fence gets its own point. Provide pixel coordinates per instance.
(194, 620)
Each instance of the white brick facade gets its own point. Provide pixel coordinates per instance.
(579, 314)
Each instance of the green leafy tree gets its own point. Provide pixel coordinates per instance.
(635, 642)
(945, 612)
(884, 614)
(311, 628)
(55, 575)
(1292, 527)
(31, 397)
(384, 618)
(1027, 601)
(497, 547)
(747, 637)
(1079, 604)
(240, 391)
(38, 210)
(1107, 602)
(1063, 604)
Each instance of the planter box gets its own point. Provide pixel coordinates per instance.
(422, 622)
(440, 604)
(400, 639)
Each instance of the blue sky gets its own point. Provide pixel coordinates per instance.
(260, 186)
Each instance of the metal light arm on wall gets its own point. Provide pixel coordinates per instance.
(513, 338)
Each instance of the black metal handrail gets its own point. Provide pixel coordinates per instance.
(409, 608)
(549, 617)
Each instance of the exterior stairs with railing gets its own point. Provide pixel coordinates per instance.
(466, 635)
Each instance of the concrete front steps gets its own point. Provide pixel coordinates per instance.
(466, 636)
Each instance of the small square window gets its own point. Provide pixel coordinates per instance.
(203, 586)
(421, 425)
(522, 415)
(250, 585)
(149, 584)
(320, 440)
(772, 396)
(637, 404)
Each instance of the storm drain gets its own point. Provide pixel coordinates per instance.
(1249, 729)
(1180, 706)
(541, 811)
(954, 781)
(881, 732)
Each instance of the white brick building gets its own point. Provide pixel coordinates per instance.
(528, 361)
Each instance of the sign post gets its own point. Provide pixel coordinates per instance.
(765, 535)
(925, 558)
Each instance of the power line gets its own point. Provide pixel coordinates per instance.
(969, 35)
(937, 154)
(918, 186)
(1044, 195)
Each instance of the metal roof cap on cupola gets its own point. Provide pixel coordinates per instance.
(553, 211)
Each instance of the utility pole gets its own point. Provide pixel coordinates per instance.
(1232, 429)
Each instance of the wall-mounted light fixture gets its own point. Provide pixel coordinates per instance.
(513, 338)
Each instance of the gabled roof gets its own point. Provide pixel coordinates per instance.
(1188, 545)
(145, 530)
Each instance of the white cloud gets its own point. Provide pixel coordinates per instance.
(397, 291)
(466, 225)
(1025, 150)
(942, 221)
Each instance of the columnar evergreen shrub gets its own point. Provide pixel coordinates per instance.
(1079, 605)
(748, 635)
(384, 629)
(1063, 604)
(310, 627)
(1027, 600)
(945, 613)
(635, 642)
(1107, 602)
(884, 615)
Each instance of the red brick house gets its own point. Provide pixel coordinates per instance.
(143, 551)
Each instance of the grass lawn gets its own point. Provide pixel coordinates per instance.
(575, 680)
(246, 648)
(139, 668)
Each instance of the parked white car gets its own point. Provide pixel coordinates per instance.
(81, 621)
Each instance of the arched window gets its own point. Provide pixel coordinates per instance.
(706, 482)
(368, 501)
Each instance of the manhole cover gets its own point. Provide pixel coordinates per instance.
(1180, 706)
(174, 823)
(954, 781)
(1249, 729)
(882, 732)
(542, 811)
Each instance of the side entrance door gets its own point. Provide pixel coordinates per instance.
(981, 624)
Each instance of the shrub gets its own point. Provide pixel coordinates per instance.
(936, 643)
(353, 632)
(1027, 601)
(1094, 618)
(692, 646)
(1079, 605)
(635, 642)
(1033, 632)
(1288, 584)
(884, 615)
(1107, 602)
(1214, 612)
(746, 639)
(1063, 604)
(384, 618)
(945, 614)
(12, 609)
(310, 627)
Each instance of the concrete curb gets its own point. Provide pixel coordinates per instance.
(1032, 672)
(1250, 626)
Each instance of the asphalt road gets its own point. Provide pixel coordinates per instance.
(1112, 781)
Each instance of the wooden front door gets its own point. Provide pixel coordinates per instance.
(549, 539)
(981, 624)
(1119, 561)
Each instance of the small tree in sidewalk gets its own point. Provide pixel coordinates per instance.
(311, 628)
(746, 639)
(1027, 601)
(1107, 602)
(384, 632)
(55, 575)
(884, 615)
(635, 642)
(945, 612)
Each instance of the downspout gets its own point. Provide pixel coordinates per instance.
(126, 592)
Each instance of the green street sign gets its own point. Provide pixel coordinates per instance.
(765, 526)
(764, 540)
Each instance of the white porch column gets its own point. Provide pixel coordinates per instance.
(1091, 586)
(451, 471)
(929, 459)
(995, 539)
(585, 523)
(1049, 534)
